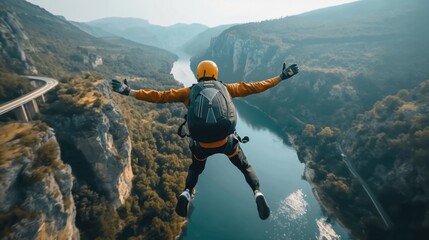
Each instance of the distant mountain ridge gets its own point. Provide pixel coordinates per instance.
(35, 41)
(201, 42)
(141, 31)
(38, 42)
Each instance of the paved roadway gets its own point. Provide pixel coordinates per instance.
(50, 83)
(371, 195)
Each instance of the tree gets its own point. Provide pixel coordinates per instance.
(309, 130)
(326, 132)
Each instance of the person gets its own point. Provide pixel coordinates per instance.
(202, 142)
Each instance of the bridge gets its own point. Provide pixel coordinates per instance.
(25, 107)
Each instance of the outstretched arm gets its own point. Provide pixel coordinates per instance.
(243, 89)
(169, 96)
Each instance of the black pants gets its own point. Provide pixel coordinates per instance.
(235, 154)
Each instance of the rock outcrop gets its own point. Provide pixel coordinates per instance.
(15, 44)
(35, 185)
(96, 129)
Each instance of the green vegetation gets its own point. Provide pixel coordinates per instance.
(389, 146)
(18, 139)
(160, 159)
(348, 60)
(336, 187)
(12, 217)
(96, 218)
(74, 96)
(59, 48)
(24, 140)
(13, 86)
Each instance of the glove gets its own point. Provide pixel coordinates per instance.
(289, 71)
(120, 87)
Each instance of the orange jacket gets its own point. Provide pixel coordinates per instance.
(240, 89)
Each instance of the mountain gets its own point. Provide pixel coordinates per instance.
(36, 195)
(352, 57)
(60, 47)
(94, 31)
(201, 42)
(141, 31)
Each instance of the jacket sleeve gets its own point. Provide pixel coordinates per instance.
(243, 89)
(169, 96)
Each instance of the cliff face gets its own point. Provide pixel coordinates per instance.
(15, 45)
(94, 128)
(35, 195)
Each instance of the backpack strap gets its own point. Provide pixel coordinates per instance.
(180, 130)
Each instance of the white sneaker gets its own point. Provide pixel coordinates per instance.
(263, 209)
(182, 206)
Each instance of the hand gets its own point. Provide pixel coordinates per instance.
(120, 87)
(289, 71)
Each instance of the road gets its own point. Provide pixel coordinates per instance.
(371, 195)
(50, 83)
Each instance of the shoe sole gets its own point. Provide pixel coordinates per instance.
(263, 209)
(182, 206)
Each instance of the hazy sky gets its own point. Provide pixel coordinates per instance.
(167, 12)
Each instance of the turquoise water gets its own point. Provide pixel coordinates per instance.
(224, 206)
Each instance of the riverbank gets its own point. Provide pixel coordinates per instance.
(282, 178)
(327, 203)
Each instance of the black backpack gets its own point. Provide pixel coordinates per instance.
(211, 113)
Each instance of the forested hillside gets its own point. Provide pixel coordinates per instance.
(350, 56)
(13, 86)
(388, 145)
(37, 42)
(159, 159)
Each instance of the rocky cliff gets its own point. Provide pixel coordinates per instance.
(15, 45)
(90, 126)
(36, 198)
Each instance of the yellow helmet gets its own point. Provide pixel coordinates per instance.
(207, 70)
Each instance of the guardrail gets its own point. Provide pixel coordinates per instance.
(25, 107)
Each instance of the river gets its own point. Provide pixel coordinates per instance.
(224, 206)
